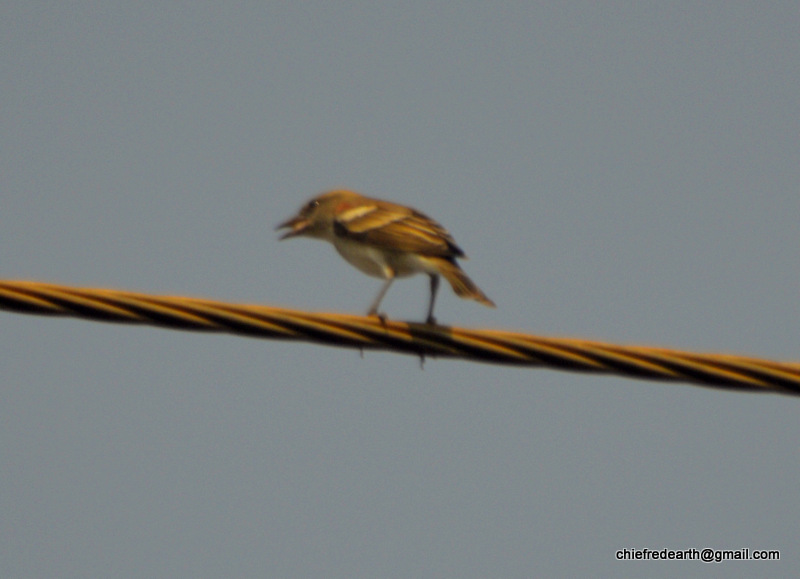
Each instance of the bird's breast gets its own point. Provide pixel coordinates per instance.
(379, 262)
(368, 259)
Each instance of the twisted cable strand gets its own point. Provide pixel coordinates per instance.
(494, 346)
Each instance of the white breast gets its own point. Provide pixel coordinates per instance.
(368, 259)
(380, 263)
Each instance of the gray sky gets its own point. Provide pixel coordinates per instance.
(623, 171)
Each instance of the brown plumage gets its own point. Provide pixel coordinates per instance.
(385, 240)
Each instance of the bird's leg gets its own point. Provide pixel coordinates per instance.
(373, 309)
(434, 288)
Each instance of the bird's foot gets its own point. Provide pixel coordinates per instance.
(380, 315)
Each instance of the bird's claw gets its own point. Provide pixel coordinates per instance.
(380, 315)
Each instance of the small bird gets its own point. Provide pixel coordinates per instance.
(385, 240)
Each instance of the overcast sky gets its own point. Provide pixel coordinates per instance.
(621, 171)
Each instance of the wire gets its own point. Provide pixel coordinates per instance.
(360, 332)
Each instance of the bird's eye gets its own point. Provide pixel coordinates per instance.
(312, 205)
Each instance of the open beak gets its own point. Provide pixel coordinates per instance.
(297, 226)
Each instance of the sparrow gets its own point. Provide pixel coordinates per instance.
(385, 240)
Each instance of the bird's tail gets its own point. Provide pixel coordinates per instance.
(460, 282)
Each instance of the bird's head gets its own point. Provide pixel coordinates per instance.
(316, 217)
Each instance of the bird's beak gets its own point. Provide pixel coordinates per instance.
(297, 226)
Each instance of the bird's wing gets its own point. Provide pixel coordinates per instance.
(391, 226)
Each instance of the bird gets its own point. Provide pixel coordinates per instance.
(385, 240)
